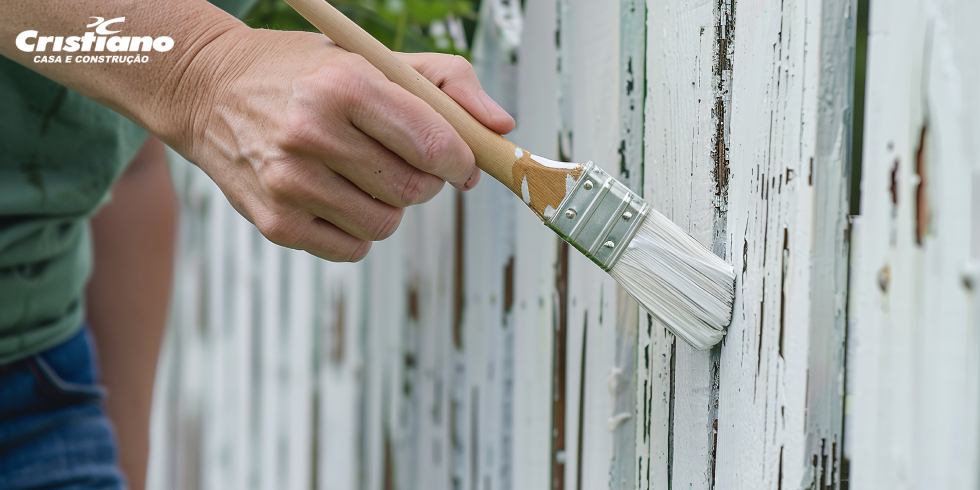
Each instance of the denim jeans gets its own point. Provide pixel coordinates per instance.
(54, 433)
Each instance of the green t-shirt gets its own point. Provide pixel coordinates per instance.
(60, 153)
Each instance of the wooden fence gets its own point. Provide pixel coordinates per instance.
(475, 351)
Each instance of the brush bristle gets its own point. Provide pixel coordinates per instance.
(678, 280)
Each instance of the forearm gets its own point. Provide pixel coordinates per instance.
(160, 95)
(127, 297)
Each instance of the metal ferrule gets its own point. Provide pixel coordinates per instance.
(599, 216)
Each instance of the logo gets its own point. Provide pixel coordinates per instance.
(101, 40)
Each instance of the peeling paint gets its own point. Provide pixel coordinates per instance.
(923, 215)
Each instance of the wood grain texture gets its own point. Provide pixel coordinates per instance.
(678, 181)
(602, 321)
(732, 125)
(536, 255)
(913, 333)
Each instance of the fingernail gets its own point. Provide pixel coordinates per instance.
(470, 181)
(474, 179)
(492, 107)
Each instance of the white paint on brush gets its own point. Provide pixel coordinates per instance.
(518, 152)
(553, 164)
(678, 281)
(525, 192)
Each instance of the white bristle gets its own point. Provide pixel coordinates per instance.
(678, 281)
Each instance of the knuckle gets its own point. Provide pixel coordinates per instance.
(435, 145)
(298, 131)
(460, 66)
(347, 82)
(279, 229)
(283, 180)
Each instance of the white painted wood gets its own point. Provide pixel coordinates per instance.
(340, 376)
(269, 442)
(430, 322)
(299, 333)
(678, 137)
(735, 88)
(536, 255)
(913, 326)
(597, 328)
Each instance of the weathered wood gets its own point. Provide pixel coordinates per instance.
(732, 126)
(536, 301)
(913, 334)
(340, 377)
(679, 135)
(473, 351)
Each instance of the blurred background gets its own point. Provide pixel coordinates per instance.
(445, 26)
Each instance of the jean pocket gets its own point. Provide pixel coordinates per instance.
(54, 387)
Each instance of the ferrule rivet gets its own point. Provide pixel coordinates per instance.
(570, 213)
(627, 215)
(609, 244)
(588, 185)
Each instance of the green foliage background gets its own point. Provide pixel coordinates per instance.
(402, 25)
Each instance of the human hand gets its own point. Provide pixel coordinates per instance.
(314, 145)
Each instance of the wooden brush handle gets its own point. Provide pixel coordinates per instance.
(495, 155)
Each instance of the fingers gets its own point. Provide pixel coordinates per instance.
(301, 187)
(455, 76)
(406, 125)
(380, 172)
(302, 231)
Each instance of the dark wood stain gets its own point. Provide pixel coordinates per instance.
(558, 383)
(413, 299)
(923, 214)
(782, 291)
(389, 469)
(337, 344)
(459, 299)
(509, 285)
(581, 403)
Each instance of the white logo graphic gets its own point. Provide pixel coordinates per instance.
(99, 41)
(101, 23)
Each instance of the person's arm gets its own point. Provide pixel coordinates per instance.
(127, 297)
(309, 142)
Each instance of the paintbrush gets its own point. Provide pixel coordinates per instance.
(667, 271)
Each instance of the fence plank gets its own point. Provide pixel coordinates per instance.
(535, 257)
(913, 407)
(731, 129)
(679, 134)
